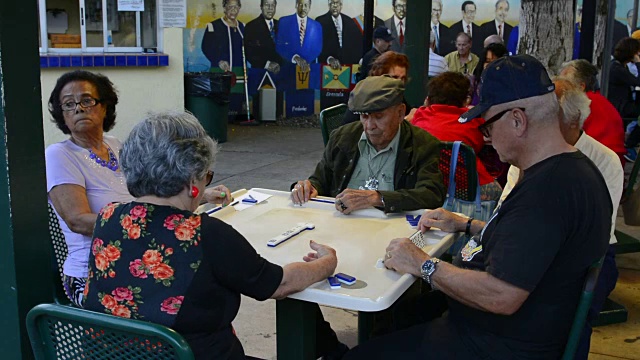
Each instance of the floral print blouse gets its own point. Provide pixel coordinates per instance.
(182, 270)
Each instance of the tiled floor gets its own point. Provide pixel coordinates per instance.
(273, 157)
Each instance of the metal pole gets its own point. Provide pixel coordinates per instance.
(367, 39)
(635, 16)
(587, 29)
(608, 43)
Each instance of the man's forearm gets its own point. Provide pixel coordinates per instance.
(478, 289)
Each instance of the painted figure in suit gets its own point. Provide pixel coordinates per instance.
(498, 26)
(341, 39)
(398, 24)
(222, 40)
(359, 20)
(260, 35)
(621, 30)
(467, 26)
(441, 32)
(299, 38)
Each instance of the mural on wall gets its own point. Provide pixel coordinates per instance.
(311, 50)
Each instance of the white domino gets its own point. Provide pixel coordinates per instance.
(289, 234)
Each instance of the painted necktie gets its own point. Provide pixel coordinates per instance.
(435, 31)
(500, 31)
(301, 32)
(338, 30)
(272, 31)
(469, 29)
(401, 37)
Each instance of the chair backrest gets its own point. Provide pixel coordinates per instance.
(466, 173)
(583, 308)
(331, 119)
(60, 251)
(64, 332)
(628, 190)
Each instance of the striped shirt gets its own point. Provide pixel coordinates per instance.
(437, 64)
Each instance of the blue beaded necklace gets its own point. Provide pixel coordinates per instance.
(112, 164)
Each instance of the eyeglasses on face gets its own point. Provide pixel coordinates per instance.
(85, 103)
(209, 177)
(400, 6)
(485, 128)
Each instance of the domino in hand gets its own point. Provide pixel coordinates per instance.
(418, 239)
(289, 234)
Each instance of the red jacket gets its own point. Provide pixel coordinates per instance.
(441, 121)
(605, 124)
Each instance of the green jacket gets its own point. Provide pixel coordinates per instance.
(417, 179)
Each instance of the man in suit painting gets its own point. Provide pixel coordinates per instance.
(359, 20)
(299, 38)
(441, 32)
(467, 26)
(398, 24)
(341, 39)
(260, 34)
(621, 30)
(498, 26)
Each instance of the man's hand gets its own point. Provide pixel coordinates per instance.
(404, 257)
(302, 192)
(412, 113)
(320, 251)
(218, 194)
(442, 219)
(302, 63)
(224, 66)
(274, 67)
(350, 200)
(334, 63)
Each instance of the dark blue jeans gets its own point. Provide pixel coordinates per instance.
(606, 283)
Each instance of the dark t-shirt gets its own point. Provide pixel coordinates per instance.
(178, 269)
(548, 231)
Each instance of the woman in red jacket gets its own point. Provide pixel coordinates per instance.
(447, 100)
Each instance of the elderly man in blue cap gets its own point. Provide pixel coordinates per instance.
(381, 161)
(514, 288)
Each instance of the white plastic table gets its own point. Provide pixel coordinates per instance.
(360, 239)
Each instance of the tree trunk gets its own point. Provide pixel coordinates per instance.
(598, 36)
(546, 31)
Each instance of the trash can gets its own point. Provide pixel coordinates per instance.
(207, 97)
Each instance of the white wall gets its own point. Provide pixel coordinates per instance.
(140, 89)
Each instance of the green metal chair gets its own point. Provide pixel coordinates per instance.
(64, 332)
(331, 119)
(583, 309)
(60, 251)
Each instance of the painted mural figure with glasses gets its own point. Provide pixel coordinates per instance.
(381, 161)
(520, 299)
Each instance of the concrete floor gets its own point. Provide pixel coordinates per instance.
(273, 157)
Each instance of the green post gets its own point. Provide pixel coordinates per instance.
(296, 329)
(24, 245)
(417, 49)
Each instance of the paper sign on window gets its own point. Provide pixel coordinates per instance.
(130, 5)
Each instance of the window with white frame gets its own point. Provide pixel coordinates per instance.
(98, 26)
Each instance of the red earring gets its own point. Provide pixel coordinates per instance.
(194, 191)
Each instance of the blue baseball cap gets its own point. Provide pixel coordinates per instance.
(383, 33)
(508, 79)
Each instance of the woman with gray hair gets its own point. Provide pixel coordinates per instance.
(154, 259)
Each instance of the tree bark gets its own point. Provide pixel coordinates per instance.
(598, 36)
(546, 31)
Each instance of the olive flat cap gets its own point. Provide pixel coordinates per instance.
(375, 94)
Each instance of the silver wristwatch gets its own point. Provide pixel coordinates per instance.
(428, 268)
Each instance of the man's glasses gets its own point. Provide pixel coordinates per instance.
(485, 128)
(85, 103)
(400, 7)
(209, 177)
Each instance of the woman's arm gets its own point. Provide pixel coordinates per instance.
(298, 276)
(71, 203)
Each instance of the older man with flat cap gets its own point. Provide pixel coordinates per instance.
(381, 161)
(514, 288)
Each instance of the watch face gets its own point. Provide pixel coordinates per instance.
(427, 269)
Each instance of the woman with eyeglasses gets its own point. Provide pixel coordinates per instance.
(83, 171)
(154, 259)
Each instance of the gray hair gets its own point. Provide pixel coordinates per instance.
(164, 153)
(503, 1)
(573, 101)
(540, 110)
(585, 73)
